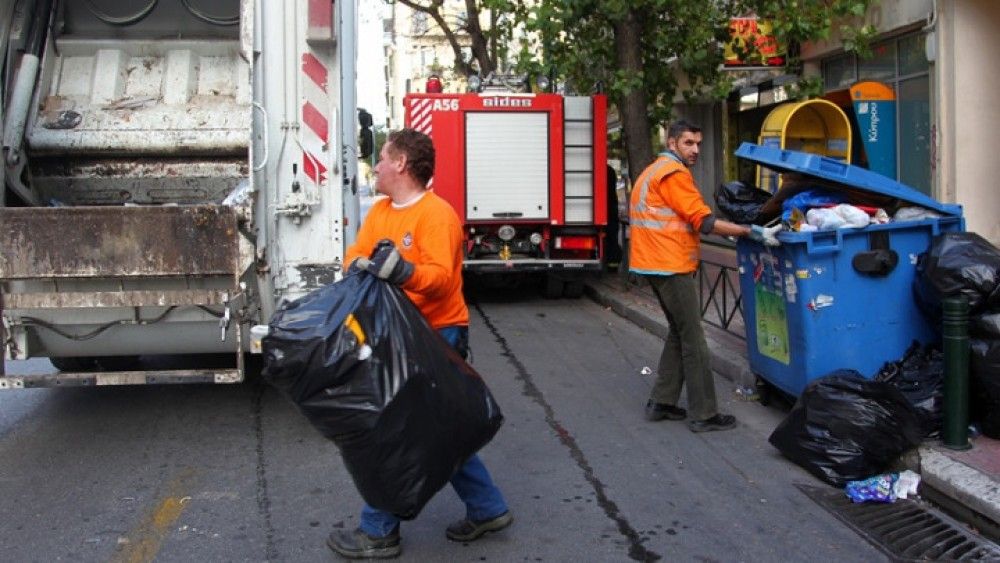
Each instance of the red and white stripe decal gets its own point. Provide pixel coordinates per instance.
(315, 116)
(420, 115)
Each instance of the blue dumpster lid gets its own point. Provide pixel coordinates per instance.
(833, 170)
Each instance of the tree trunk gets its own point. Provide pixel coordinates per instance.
(633, 105)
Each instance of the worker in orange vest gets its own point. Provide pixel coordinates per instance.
(667, 216)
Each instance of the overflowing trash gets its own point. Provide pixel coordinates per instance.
(919, 376)
(967, 264)
(361, 363)
(739, 202)
(888, 487)
(847, 428)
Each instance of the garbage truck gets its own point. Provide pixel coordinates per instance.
(173, 170)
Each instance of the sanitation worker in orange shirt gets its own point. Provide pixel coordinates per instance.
(667, 213)
(415, 241)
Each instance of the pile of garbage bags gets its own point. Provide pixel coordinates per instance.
(362, 364)
(919, 376)
(967, 264)
(847, 428)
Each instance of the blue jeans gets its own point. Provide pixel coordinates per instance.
(472, 481)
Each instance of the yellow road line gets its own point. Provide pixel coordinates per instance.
(143, 542)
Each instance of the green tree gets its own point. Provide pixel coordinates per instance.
(489, 44)
(645, 52)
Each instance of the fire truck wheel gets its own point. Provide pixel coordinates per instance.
(574, 289)
(553, 287)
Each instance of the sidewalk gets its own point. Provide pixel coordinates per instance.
(965, 482)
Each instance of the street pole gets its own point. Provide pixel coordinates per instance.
(956, 372)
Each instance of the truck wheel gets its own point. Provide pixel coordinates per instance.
(553, 287)
(72, 364)
(118, 363)
(574, 289)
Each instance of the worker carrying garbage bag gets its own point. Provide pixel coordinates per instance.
(375, 361)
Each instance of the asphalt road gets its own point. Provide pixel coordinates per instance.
(234, 473)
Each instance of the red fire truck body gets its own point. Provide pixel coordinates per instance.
(526, 173)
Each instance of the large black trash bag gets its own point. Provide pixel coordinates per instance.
(984, 385)
(739, 202)
(844, 428)
(986, 326)
(958, 264)
(363, 365)
(919, 376)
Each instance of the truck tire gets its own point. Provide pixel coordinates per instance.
(553, 288)
(118, 363)
(574, 289)
(73, 364)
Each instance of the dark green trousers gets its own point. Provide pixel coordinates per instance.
(685, 357)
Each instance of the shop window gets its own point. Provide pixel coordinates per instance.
(839, 72)
(913, 107)
(900, 63)
(912, 55)
(881, 66)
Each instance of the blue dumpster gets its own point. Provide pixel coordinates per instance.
(838, 299)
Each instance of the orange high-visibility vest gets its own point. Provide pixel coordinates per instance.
(665, 212)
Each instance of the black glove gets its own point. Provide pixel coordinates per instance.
(386, 263)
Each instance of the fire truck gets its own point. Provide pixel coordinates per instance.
(527, 175)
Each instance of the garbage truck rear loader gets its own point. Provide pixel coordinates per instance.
(173, 170)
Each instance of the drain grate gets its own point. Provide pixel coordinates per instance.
(906, 530)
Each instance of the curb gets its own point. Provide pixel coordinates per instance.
(963, 490)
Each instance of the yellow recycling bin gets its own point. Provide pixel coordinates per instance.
(813, 126)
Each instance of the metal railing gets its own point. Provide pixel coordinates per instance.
(719, 290)
(718, 287)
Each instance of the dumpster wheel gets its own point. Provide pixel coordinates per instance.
(765, 391)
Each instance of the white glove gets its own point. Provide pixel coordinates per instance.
(766, 235)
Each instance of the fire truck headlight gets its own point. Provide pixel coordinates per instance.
(535, 238)
(506, 233)
(475, 83)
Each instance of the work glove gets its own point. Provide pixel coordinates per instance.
(766, 235)
(385, 263)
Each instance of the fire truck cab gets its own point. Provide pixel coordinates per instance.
(526, 174)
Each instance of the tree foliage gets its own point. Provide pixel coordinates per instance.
(647, 53)
(644, 54)
(486, 28)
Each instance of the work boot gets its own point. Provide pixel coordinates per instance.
(717, 422)
(659, 411)
(468, 530)
(357, 544)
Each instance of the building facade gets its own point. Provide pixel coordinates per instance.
(416, 49)
(935, 56)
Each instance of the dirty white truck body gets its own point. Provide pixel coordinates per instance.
(174, 169)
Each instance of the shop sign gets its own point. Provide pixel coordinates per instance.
(756, 36)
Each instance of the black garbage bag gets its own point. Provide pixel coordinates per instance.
(365, 368)
(844, 428)
(984, 385)
(986, 326)
(739, 202)
(919, 376)
(958, 263)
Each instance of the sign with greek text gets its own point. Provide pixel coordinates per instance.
(875, 108)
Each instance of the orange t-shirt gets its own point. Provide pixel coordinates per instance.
(427, 234)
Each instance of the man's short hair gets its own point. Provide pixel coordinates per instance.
(419, 152)
(681, 126)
